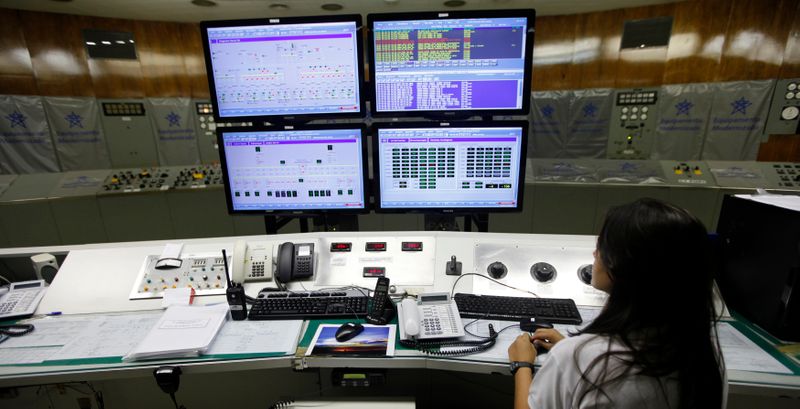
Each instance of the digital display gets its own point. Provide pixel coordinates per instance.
(340, 247)
(456, 167)
(433, 298)
(303, 251)
(294, 170)
(376, 246)
(278, 67)
(412, 246)
(27, 285)
(449, 63)
(375, 272)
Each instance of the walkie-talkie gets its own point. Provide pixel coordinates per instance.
(235, 294)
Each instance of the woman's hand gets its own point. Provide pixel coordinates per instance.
(546, 337)
(522, 349)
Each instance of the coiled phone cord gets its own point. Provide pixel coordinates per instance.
(434, 347)
(282, 404)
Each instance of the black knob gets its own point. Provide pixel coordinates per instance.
(585, 273)
(543, 272)
(497, 270)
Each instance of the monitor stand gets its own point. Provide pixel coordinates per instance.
(441, 222)
(320, 223)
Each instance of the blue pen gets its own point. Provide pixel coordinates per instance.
(54, 313)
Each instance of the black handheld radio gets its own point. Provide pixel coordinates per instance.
(234, 294)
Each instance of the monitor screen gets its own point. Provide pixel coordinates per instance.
(431, 63)
(274, 68)
(306, 170)
(450, 167)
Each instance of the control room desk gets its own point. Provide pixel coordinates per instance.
(98, 278)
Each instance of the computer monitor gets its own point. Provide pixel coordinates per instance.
(285, 69)
(457, 168)
(454, 63)
(306, 170)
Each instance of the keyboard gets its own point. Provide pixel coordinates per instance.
(553, 310)
(308, 305)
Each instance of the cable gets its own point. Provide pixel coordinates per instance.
(434, 347)
(5, 279)
(490, 279)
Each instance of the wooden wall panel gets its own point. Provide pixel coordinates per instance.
(114, 78)
(553, 52)
(16, 68)
(643, 67)
(597, 42)
(791, 55)
(780, 148)
(194, 61)
(59, 61)
(755, 40)
(160, 51)
(698, 37)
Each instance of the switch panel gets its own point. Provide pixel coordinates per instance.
(784, 109)
(633, 123)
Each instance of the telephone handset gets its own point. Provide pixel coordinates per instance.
(434, 315)
(295, 261)
(423, 324)
(250, 263)
(382, 309)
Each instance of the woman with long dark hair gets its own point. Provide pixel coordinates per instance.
(654, 343)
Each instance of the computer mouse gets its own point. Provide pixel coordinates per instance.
(348, 331)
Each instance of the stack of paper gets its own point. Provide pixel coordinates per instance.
(181, 332)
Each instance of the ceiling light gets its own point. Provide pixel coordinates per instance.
(278, 6)
(91, 43)
(106, 42)
(455, 3)
(204, 3)
(332, 7)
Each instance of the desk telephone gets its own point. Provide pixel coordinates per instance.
(255, 263)
(21, 298)
(426, 325)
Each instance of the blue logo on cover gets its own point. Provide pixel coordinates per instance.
(548, 111)
(174, 119)
(589, 110)
(740, 106)
(74, 120)
(17, 119)
(683, 107)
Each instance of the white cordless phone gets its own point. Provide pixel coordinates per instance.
(434, 315)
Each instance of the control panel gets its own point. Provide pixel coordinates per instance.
(782, 175)
(206, 130)
(631, 171)
(203, 273)
(687, 173)
(138, 180)
(197, 177)
(784, 109)
(547, 270)
(407, 261)
(632, 124)
(754, 175)
(564, 170)
(129, 133)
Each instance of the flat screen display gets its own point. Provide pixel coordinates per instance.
(273, 68)
(450, 168)
(443, 62)
(294, 171)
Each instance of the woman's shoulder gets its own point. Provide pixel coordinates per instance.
(587, 345)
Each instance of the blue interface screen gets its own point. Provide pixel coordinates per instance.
(285, 69)
(295, 170)
(449, 167)
(455, 64)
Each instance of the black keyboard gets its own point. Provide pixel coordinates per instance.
(553, 310)
(308, 305)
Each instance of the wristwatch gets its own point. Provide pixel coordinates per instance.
(513, 366)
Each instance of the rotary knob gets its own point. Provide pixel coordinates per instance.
(497, 270)
(585, 273)
(543, 272)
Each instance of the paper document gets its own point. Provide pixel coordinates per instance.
(742, 354)
(182, 331)
(253, 337)
(49, 331)
(108, 336)
(15, 356)
(790, 202)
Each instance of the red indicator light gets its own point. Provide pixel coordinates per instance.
(412, 246)
(335, 247)
(376, 246)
